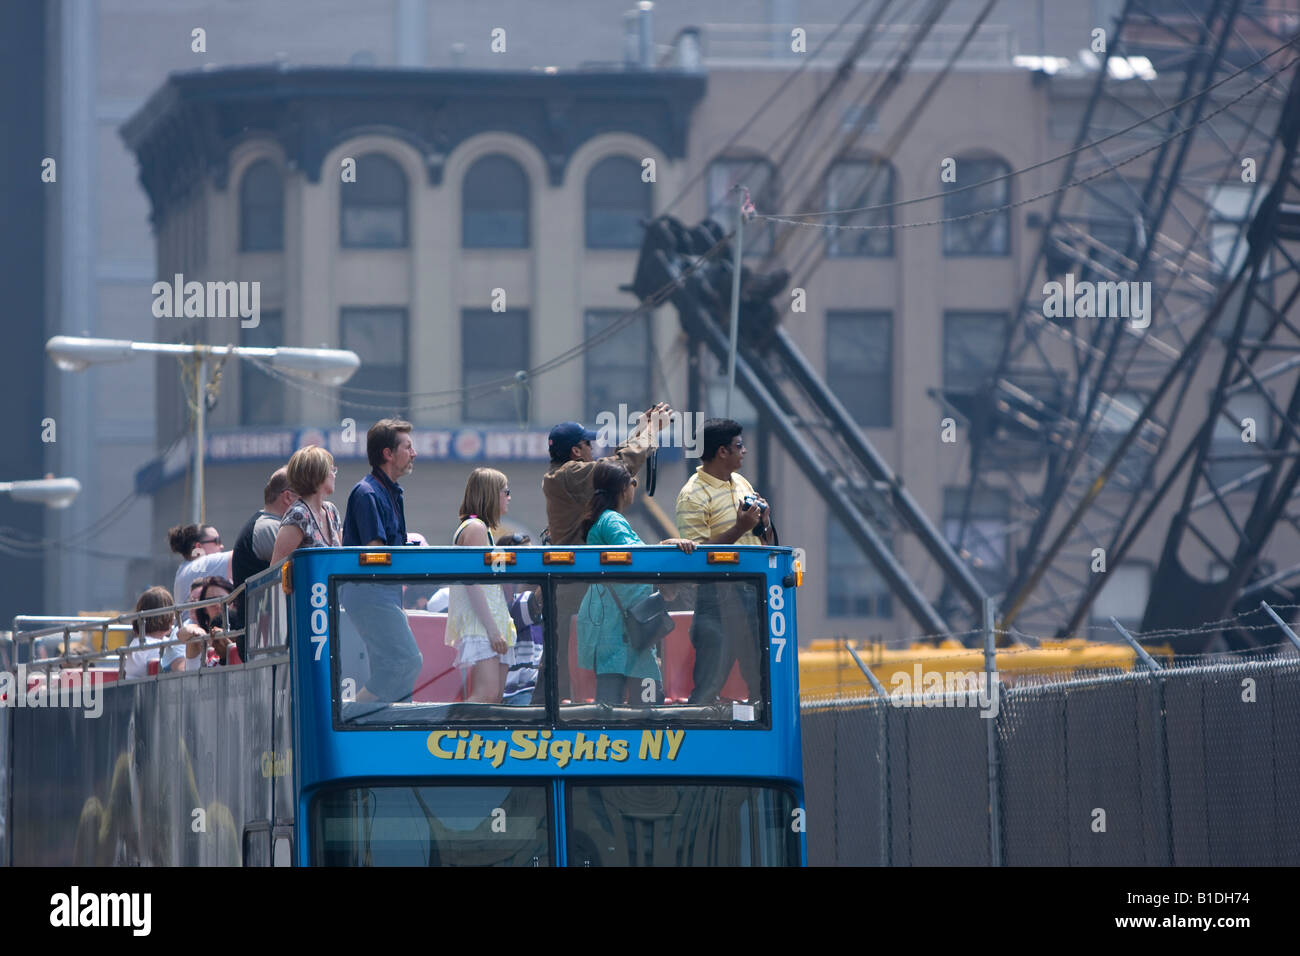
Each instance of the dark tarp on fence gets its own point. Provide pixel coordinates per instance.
(1191, 766)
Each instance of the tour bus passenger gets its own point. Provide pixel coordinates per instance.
(311, 521)
(479, 625)
(718, 506)
(150, 629)
(567, 485)
(602, 646)
(525, 659)
(209, 619)
(256, 541)
(376, 517)
(200, 549)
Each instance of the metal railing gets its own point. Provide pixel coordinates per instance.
(759, 44)
(24, 635)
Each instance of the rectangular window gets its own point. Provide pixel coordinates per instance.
(379, 337)
(855, 185)
(1113, 214)
(678, 824)
(261, 394)
(854, 588)
(984, 544)
(1118, 413)
(859, 365)
(453, 825)
(755, 175)
(617, 370)
(705, 666)
(972, 346)
(974, 230)
(493, 347)
(1124, 595)
(1234, 456)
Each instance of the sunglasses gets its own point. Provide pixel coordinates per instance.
(209, 540)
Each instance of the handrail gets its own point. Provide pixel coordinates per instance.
(65, 626)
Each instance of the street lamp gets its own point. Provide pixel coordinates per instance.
(326, 366)
(51, 492)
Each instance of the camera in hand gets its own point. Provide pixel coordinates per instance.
(749, 501)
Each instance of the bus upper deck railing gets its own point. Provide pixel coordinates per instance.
(25, 636)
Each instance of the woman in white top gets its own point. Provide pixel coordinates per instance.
(479, 625)
(200, 549)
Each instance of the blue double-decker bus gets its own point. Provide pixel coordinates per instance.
(330, 744)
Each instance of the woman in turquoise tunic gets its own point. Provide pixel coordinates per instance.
(621, 672)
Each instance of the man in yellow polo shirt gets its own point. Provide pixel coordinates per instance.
(711, 509)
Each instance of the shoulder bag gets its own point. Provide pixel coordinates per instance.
(646, 621)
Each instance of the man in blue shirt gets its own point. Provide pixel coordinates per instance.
(376, 517)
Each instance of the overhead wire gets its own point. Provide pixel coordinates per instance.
(1066, 155)
(744, 128)
(484, 389)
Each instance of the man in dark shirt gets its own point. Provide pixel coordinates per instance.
(256, 541)
(376, 517)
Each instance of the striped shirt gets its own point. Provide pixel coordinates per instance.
(706, 506)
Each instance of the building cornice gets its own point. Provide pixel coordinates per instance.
(188, 128)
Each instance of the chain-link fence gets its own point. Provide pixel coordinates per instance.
(1184, 766)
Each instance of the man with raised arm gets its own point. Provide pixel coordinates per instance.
(567, 484)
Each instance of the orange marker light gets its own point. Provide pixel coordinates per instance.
(499, 557)
(375, 557)
(286, 577)
(724, 557)
(616, 557)
(557, 557)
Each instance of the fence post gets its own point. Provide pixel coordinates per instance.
(1162, 751)
(882, 744)
(991, 737)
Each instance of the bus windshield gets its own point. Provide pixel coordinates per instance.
(573, 651)
(609, 824)
(674, 824)
(432, 826)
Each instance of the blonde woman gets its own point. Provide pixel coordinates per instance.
(478, 619)
(311, 521)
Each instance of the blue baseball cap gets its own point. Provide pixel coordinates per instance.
(567, 434)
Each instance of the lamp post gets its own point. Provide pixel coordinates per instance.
(327, 366)
(51, 492)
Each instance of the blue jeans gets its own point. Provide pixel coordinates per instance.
(395, 659)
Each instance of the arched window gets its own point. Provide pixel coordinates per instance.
(494, 212)
(261, 208)
(853, 184)
(373, 209)
(759, 177)
(617, 202)
(982, 235)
